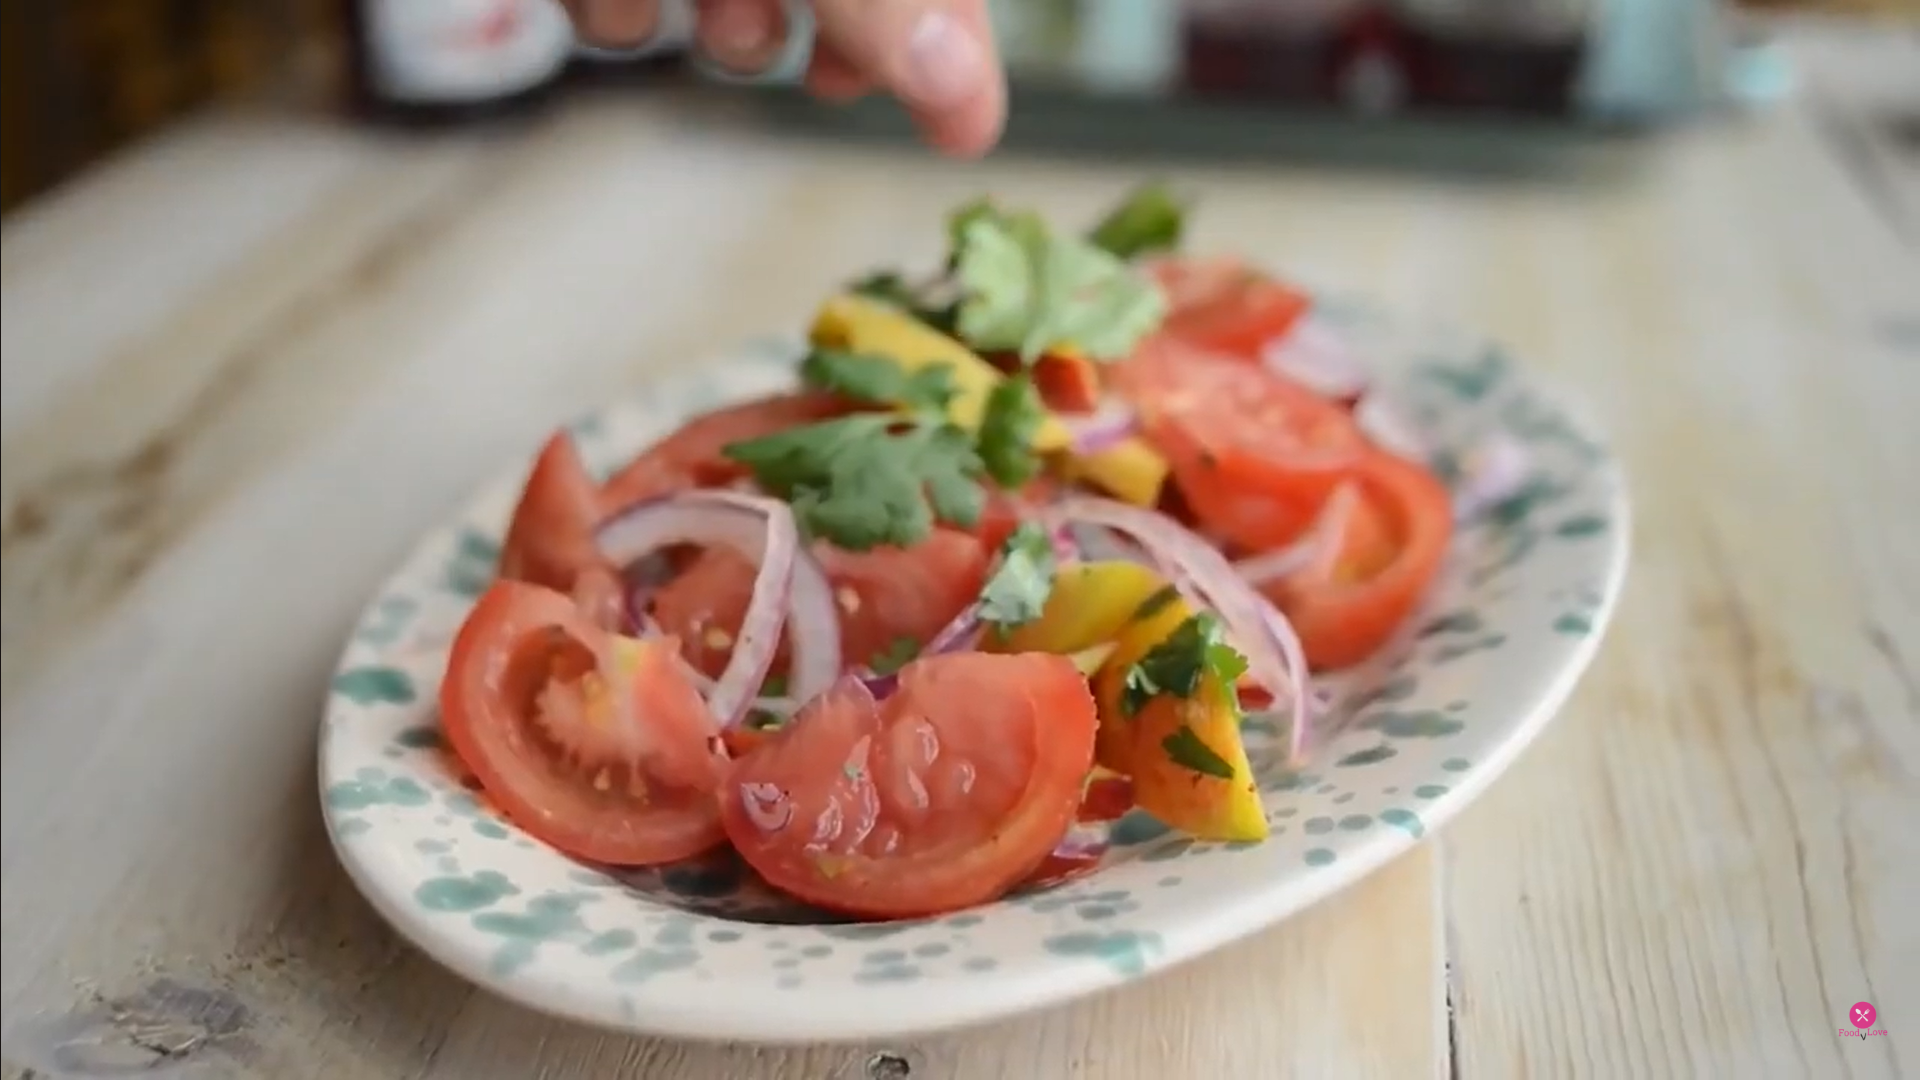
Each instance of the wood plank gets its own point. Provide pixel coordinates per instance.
(1710, 859)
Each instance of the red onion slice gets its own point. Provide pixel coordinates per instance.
(762, 530)
(1318, 357)
(1273, 565)
(1109, 425)
(1203, 575)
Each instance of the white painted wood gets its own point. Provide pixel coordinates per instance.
(211, 458)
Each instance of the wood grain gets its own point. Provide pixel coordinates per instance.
(244, 368)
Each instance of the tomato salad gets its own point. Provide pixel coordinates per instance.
(1037, 525)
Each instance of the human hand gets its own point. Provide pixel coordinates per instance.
(936, 56)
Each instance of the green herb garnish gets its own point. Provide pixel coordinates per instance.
(1149, 219)
(1017, 592)
(876, 380)
(867, 480)
(1155, 604)
(1189, 751)
(1027, 290)
(889, 286)
(1181, 663)
(902, 652)
(1012, 418)
(871, 479)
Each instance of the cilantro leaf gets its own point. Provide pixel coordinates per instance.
(1017, 592)
(1011, 419)
(902, 652)
(1149, 219)
(1187, 750)
(1156, 603)
(867, 480)
(888, 286)
(962, 218)
(877, 380)
(1180, 663)
(1027, 290)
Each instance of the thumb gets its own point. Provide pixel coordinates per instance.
(936, 56)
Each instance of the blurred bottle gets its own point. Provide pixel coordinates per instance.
(663, 54)
(445, 61)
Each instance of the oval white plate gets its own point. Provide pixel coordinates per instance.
(701, 951)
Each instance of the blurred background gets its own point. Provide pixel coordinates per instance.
(83, 77)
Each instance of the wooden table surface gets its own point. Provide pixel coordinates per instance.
(247, 363)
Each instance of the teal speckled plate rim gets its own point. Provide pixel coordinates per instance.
(1514, 624)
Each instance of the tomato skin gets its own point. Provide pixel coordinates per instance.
(942, 797)
(691, 456)
(495, 713)
(1224, 305)
(1067, 383)
(1367, 583)
(883, 595)
(1253, 454)
(550, 539)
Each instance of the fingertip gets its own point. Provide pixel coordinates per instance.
(619, 24)
(831, 77)
(970, 129)
(967, 132)
(743, 36)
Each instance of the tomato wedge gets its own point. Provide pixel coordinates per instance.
(690, 457)
(884, 595)
(1253, 454)
(1067, 383)
(550, 539)
(1383, 550)
(943, 796)
(594, 743)
(1223, 304)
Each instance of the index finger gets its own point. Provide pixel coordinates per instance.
(936, 56)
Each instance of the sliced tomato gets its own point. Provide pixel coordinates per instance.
(1223, 304)
(550, 539)
(1067, 383)
(884, 595)
(943, 796)
(691, 457)
(1253, 453)
(595, 743)
(1383, 550)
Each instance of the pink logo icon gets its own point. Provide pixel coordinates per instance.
(1863, 1013)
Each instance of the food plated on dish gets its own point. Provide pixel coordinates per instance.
(1075, 549)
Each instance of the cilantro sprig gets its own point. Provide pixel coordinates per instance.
(1188, 750)
(1181, 663)
(1028, 290)
(895, 656)
(885, 478)
(1180, 666)
(1024, 288)
(1017, 591)
(1150, 219)
(872, 479)
(876, 380)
